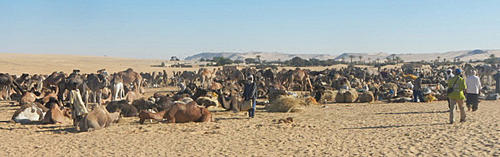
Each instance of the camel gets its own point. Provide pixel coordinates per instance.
(298, 75)
(486, 73)
(145, 115)
(27, 98)
(131, 96)
(188, 76)
(96, 82)
(6, 84)
(56, 114)
(126, 109)
(28, 113)
(53, 80)
(97, 119)
(73, 82)
(182, 112)
(117, 90)
(144, 104)
(129, 76)
(205, 76)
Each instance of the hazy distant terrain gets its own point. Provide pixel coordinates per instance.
(267, 56)
(464, 55)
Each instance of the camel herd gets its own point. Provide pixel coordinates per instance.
(96, 100)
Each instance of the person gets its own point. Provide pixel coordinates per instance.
(250, 94)
(457, 84)
(449, 74)
(472, 91)
(497, 81)
(417, 90)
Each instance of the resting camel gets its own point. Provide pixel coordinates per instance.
(97, 119)
(145, 115)
(127, 110)
(181, 112)
(28, 113)
(56, 114)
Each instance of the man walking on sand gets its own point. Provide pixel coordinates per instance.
(418, 96)
(456, 87)
(250, 94)
(472, 92)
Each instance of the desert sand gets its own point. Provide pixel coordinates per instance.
(406, 129)
(358, 129)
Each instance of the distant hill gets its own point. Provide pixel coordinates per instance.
(464, 55)
(267, 56)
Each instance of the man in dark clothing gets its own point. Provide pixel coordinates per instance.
(417, 90)
(497, 81)
(250, 94)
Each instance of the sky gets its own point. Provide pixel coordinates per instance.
(164, 28)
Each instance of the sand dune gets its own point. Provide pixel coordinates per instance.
(45, 64)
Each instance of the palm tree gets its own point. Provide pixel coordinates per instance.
(360, 57)
(351, 56)
(438, 58)
(393, 57)
(398, 59)
(258, 58)
(388, 59)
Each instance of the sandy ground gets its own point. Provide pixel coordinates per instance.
(404, 129)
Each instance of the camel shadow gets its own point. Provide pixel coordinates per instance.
(58, 130)
(10, 129)
(392, 126)
(5, 121)
(413, 112)
(230, 118)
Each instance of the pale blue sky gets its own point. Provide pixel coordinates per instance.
(159, 29)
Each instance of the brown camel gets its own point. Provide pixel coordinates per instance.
(53, 80)
(205, 76)
(98, 118)
(301, 76)
(129, 76)
(187, 112)
(145, 115)
(56, 114)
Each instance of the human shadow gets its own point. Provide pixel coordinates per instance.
(422, 112)
(392, 126)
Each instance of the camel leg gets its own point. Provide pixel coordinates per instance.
(171, 114)
(99, 97)
(8, 93)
